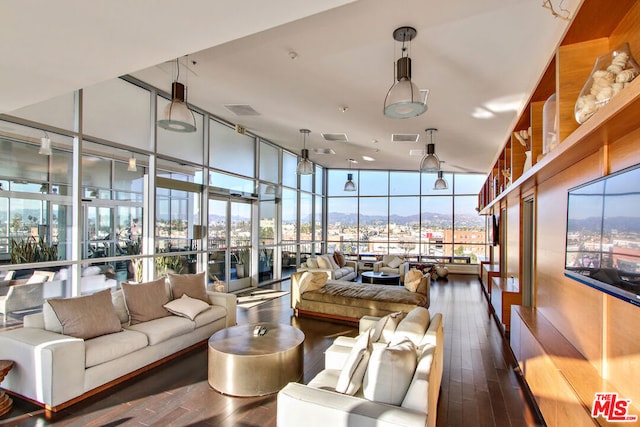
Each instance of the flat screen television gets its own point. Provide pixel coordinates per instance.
(493, 233)
(603, 234)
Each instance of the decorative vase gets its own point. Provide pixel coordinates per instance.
(442, 272)
(611, 73)
(549, 125)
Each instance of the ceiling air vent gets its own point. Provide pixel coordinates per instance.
(241, 109)
(405, 137)
(335, 137)
(416, 152)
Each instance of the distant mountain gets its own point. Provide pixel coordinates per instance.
(469, 220)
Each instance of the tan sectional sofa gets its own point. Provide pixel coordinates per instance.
(56, 369)
(391, 380)
(350, 301)
(327, 263)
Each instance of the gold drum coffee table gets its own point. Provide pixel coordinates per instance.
(242, 362)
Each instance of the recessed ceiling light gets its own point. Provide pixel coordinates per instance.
(368, 158)
(324, 150)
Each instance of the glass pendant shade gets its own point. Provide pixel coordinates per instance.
(270, 189)
(177, 117)
(430, 162)
(441, 183)
(404, 100)
(45, 146)
(132, 164)
(349, 185)
(305, 167)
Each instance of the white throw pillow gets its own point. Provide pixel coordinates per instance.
(352, 374)
(311, 281)
(186, 306)
(414, 325)
(390, 372)
(386, 326)
(395, 263)
(312, 263)
(412, 279)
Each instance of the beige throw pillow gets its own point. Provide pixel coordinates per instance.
(311, 281)
(185, 306)
(145, 301)
(323, 262)
(395, 263)
(412, 279)
(87, 316)
(312, 263)
(389, 372)
(352, 374)
(188, 284)
(386, 326)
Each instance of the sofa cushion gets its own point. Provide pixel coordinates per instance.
(339, 259)
(86, 316)
(352, 373)
(192, 285)
(312, 263)
(412, 279)
(109, 347)
(361, 294)
(386, 326)
(145, 301)
(186, 306)
(164, 328)
(413, 326)
(312, 281)
(389, 372)
(117, 298)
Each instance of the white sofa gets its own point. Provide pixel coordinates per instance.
(392, 264)
(56, 370)
(319, 404)
(326, 263)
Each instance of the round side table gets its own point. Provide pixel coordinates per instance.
(5, 401)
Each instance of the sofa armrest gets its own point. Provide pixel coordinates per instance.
(352, 264)
(377, 265)
(49, 367)
(366, 323)
(302, 405)
(228, 301)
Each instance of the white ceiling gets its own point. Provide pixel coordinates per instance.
(472, 55)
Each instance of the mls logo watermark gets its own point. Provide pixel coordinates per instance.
(612, 408)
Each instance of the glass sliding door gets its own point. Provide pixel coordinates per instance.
(230, 243)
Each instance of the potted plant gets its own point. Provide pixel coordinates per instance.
(32, 250)
(241, 257)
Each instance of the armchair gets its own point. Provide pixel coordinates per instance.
(392, 264)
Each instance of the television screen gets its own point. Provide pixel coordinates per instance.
(603, 234)
(493, 231)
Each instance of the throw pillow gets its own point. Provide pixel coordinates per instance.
(412, 279)
(414, 325)
(389, 372)
(323, 262)
(340, 259)
(311, 281)
(189, 284)
(185, 306)
(395, 263)
(145, 301)
(386, 326)
(334, 264)
(117, 298)
(352, 374)
(312, 263)
(87, 316)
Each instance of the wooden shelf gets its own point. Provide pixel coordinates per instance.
(616, 119)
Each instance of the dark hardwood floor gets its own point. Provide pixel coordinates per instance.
(479, 386)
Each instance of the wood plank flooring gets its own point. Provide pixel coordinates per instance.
(479, 387)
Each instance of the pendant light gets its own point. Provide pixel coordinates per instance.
(132, 164)
(350, 185)
(305, 167)
(45, 145)
(177, 116)
(440, 183)
(404, 99)
(430, 162)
